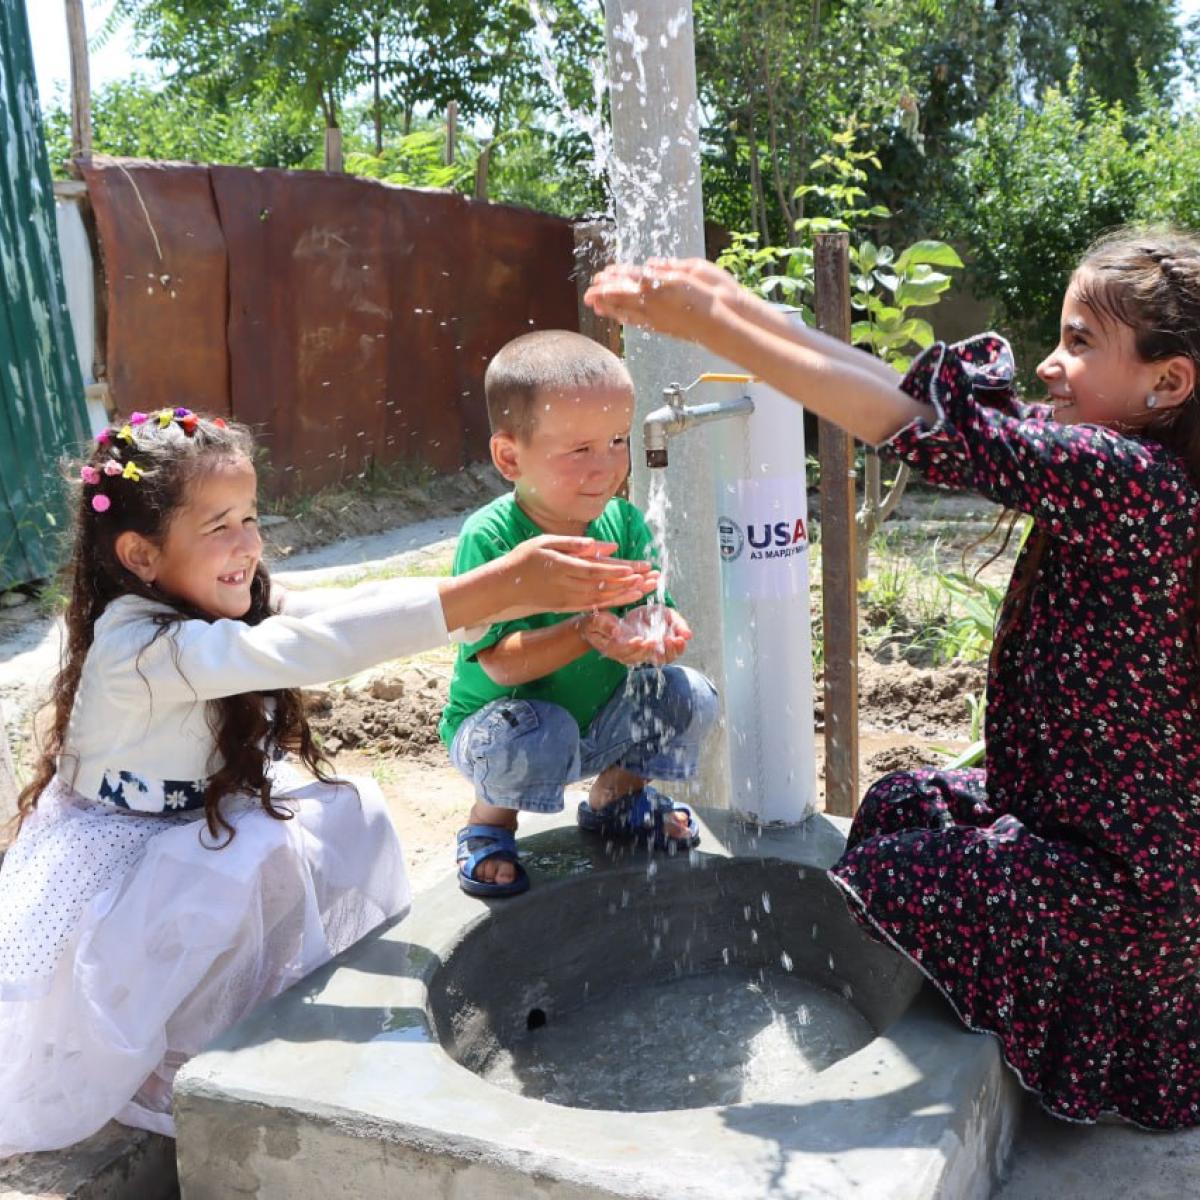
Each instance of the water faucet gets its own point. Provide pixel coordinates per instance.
(675, 416)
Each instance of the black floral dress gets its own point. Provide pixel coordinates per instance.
(1054, 897)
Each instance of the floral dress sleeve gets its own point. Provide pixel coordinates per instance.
(1085, 484)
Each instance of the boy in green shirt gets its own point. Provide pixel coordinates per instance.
(543, 701)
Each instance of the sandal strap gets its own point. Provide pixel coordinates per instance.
(635, 810)
(493, 833)
(497, 841)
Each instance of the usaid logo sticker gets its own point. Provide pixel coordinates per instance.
(731, 538)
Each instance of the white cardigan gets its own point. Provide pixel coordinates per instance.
(139, 725)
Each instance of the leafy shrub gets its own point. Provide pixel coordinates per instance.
(1045, 182)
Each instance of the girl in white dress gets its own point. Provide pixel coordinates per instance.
(172, 869)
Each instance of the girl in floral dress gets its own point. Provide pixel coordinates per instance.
(173, 868)
(1054, 895)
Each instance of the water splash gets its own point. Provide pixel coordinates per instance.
(648, 205)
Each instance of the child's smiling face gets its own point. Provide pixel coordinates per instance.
(1094, 375)
(574, 461)
(212, 546)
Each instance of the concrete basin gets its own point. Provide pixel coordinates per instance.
(416, 1063)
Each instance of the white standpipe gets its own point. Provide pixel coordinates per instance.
(762, 521)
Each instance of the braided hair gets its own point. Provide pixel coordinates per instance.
(136, 477)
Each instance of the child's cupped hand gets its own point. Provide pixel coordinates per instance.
(554, 573)
(653, 634)
(678, 297)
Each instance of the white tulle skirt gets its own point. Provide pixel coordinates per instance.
(127, 943)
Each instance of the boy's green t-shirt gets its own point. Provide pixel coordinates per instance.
(581, 687)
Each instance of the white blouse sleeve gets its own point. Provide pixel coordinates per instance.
(199, 660)
(306, 601)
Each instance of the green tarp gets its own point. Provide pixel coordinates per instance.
(42, 411)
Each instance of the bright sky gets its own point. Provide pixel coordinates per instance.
(52, 60)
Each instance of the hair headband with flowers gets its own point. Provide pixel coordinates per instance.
(91, 476)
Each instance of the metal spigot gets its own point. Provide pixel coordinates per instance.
(675, 416)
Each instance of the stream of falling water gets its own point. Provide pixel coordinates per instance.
(658, 505)
(648, 206)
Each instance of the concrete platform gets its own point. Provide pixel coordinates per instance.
(341, 1088)
(1054, 1160)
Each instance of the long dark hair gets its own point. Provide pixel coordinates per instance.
(1148, 279)
(169, 451)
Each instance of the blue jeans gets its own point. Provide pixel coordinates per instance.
(522, 753)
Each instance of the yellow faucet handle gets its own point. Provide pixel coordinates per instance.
(721, 377)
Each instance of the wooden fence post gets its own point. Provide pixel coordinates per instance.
(482, 166)
(334, 161)
(451, 132)
(81, 87)
(839, 576)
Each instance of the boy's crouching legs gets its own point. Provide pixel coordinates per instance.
(652, 728)
(519, 754)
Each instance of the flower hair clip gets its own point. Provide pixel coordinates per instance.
(163, 417)
(91, 477)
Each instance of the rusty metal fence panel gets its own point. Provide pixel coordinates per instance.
(348, 321)
(42, 411)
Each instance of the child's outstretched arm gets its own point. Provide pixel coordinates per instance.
(544, 574)
(316, 638)
(693, 300)
(770, 317)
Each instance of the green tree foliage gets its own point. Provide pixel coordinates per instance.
(779, 80)
(234, 51)
(134, 118)
(1131, 51)
(385, 71)
(1046, 181)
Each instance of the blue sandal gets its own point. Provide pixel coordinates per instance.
(639, 817)
(477, 842)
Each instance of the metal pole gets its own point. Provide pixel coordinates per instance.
(656, 185)
(81, 88)
(838, 558)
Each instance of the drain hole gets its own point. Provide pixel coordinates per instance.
(536, 1019)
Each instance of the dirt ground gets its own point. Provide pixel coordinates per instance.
(335, 515)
